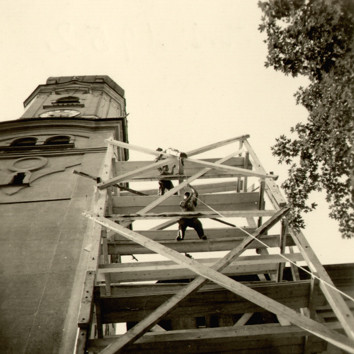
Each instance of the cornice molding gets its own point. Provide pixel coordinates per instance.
(57, 152)
(61, 122)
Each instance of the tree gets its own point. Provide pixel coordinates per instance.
(314, 38)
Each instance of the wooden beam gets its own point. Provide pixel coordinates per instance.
(239, 181)
(139, 291)
(147, 323)
(210, 300)
(283, 237)
(272, 189)
(86, 270)
(82, 339)
(86, 301)
(294, 268)
(105, 258)
(233, 339)
(137, 148)
(216, 145)
(216, 187)
(190, 169)
(234, 234)
(171, 265)
(235, 170)
(246, 163)
(212, 199)
(243, 319)
(130, 175)
(311, 312)
(336, 300)
(205, 214)
(192, 243)
(220, 202)
(127, 275)
(98, 314)
(142, 271)
(261, 203)
(251, 222)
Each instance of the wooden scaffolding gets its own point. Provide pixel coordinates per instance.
(255, 285)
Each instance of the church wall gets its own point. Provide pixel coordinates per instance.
(42, 238)
(41, 241)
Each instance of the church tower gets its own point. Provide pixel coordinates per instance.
(43, 235)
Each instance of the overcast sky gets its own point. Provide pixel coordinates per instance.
(193, 73)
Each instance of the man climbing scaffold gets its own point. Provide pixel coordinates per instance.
(189, 203)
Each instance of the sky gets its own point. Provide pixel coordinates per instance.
(192, 70)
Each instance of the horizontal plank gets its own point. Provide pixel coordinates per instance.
(186, 274)
(205, 214)
(190, 169)
(208, 301)
(137, 290)
(217, 187)
(192, 243)
(213, 233)
(231, 201)
(163, 289)
(265, 338)
(166, 265)
(143, 271)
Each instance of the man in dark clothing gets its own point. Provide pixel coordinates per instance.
(189, 203)
(165, 184)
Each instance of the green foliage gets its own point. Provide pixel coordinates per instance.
(315, 39)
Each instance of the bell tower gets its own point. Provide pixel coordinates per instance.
(94, 97)
(43, 239)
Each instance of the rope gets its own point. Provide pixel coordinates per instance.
(281, 255)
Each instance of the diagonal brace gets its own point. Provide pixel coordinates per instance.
(238, 170)
(127, 176)
(216, 145)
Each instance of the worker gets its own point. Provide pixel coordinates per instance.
(189, 203)
(164, 184)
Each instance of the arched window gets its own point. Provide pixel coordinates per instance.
(24, 142)
(58, 140)
(68, 100)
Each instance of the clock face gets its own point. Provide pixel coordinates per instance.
(60, 113)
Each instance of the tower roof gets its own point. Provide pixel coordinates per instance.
(89, 79)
